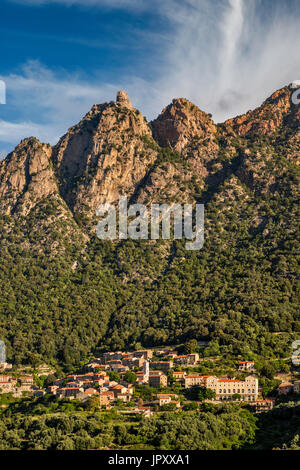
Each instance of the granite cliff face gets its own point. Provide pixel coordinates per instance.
(26, 177)
(180, 124)
(179, 156)
(104, 156)
(269, 117)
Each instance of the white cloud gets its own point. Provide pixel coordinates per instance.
(48, 103)
(226, 56)
(230, 55)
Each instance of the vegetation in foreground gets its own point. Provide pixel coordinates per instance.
(66, 425)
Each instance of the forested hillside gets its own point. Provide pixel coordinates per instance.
(64, 292)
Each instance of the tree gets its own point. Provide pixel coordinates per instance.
(206, 394)
(168, 407)
(130, 377)
(268, 370)
(93, 402)
(190, 406)
(114, 376)
(171, 379)
(190, 346)
(49, 380)
(236, 397)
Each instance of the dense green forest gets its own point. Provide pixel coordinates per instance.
(45, 424)
(240, 292)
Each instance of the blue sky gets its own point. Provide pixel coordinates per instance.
(60, 57)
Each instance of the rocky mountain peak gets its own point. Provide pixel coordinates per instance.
(105, 155)
(181, 122)
(123, 99)
(267, 118)
(26, 176)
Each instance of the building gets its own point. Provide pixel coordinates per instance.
(171, 355)
(7, 378)
(118, 368)
(285, 388)
(133, 362)
(194, 380)
(106, 397)
(158, 380)
(25, 387)
(179, 376)
(146, 354)
(297, 386)
(247, 366)
(5, 366)
(71, 385)
(165, 398)
(288, 387)
(90, 391)
(52, 389)
(155, 372)
(142, 378)
(187, 359)
(228, 389)
(27, 379)
(261, 406)
(7, 387)
(39, 393)
(146, 370)
(118, 390)
(144, 410)
(162, 365)
(68, 392)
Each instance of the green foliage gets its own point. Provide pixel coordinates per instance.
(228, 429)
(115, 376)
(130, 377)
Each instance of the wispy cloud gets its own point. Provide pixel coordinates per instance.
(229, 55)
(226, 56)
(47, 102)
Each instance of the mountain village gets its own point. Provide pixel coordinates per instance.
(114, 377)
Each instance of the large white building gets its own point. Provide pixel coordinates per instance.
(225, 388)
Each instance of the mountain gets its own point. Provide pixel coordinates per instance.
(65, 292)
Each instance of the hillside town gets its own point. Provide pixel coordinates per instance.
(113, 378)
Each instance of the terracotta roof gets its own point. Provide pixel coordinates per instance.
(229, 380)
(194, 377)
(90, 391)
(69, 388)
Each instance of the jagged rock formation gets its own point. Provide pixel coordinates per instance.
(114, 151)
(180, 123)
(104, 156)
(123, 99)
(26, 177)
